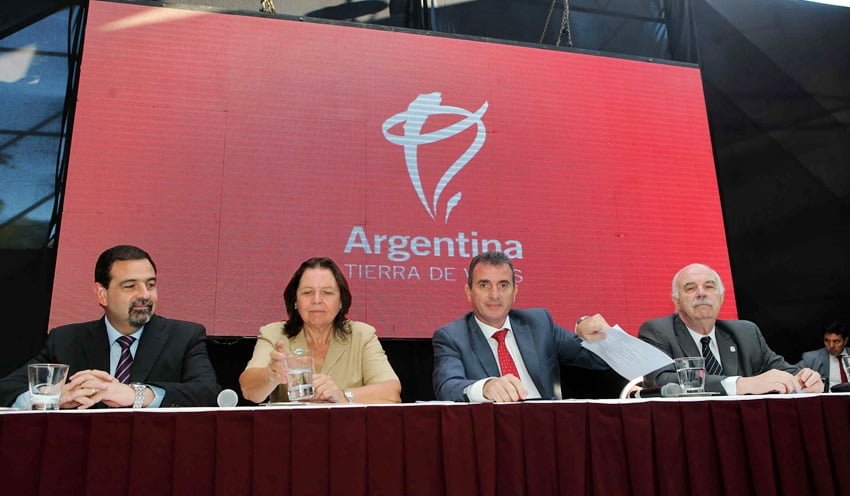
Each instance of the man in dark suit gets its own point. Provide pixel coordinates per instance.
(498, 354)
(737, 358)
(827, 360)
(130, 357)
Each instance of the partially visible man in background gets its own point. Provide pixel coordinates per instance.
(827, 361)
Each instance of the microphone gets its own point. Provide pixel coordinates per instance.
(670, 390)
(227, 398)
(844, 387)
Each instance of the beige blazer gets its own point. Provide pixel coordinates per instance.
(357, 361)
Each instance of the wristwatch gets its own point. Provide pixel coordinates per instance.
(348, 395)
(139, 388)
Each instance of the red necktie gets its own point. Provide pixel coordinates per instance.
(841, 368)
(506, 363)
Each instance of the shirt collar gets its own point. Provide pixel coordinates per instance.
(488, 330)
(114, 334)
(697, 337)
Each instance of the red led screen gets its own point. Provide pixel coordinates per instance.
(234, 147)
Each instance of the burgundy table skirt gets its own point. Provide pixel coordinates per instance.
(769, 445)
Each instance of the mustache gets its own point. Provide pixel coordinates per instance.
(141, 302)
(703, 301)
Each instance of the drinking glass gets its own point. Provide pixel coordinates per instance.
(299, 366)
(691, 372)
(45, 382)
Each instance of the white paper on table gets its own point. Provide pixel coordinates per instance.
(627, 355)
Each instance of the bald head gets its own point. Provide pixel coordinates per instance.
(698, 296)
(695, 267)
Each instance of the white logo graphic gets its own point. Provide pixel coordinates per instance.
(422, 107)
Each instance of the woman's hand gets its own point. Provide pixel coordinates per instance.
(325, 389)
(277, 365)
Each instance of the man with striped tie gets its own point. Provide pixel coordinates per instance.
(737, 358)
(130, 357)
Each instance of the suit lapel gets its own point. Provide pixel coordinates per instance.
(150, 346)
(728, 349)
(335, 352)
(683, 336)
(94, 347)
(481, 348)
(525, 343)
(822, 365)
(725, 345)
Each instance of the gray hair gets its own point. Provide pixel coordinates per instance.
(675, 292)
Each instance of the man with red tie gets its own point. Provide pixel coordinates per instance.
(130, 357)
(496, 353)
(827, 361)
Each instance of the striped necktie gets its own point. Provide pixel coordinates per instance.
(125, 361)
(712, 366)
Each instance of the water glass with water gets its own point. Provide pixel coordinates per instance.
(299, 366)
(45, 382)
(691, 372)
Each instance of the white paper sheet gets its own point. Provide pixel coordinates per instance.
(627, 355)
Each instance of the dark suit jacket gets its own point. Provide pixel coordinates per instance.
(462, 355)
(171, 354)
(817, 360)
(743, 351)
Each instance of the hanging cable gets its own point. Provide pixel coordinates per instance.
(565, 24)
(548, 18)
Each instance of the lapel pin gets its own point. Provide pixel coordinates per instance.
(732, 349)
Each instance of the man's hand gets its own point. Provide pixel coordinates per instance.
(773, 380)
(119, 395)
(82, 390)
(112, 393)
(590, 329)
(504, 389)
(809, 381)
(89, 387)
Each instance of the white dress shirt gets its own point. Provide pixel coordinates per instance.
(730, 383)
(475, 391)
(835, 371)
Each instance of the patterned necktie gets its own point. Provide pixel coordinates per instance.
(506, 363)
(712, 366)
(841, 368)
(125, 361)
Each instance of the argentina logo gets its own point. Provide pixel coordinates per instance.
(411, 138)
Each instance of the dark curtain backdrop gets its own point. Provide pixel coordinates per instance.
(626, 27)
(776, 75)
(15, 14)
(25, 280)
